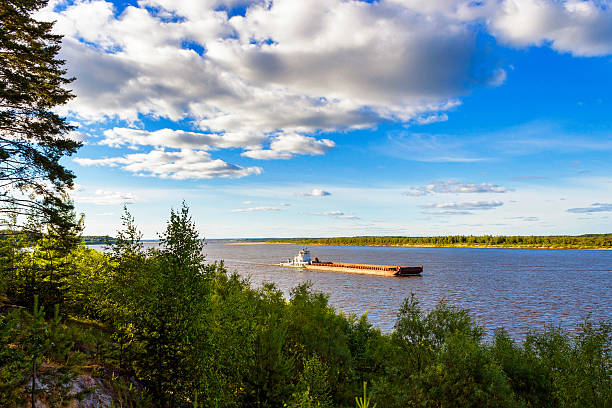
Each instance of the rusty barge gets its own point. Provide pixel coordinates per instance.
(303, 260)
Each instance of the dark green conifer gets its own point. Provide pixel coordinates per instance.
(33, 138)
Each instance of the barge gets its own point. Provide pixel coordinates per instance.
(303, 260)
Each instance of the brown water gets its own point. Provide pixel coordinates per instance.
(519, 289)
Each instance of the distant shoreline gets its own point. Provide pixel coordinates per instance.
(415, 246)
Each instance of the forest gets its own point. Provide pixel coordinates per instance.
(96, 239)
(587, 241)
(162, 327)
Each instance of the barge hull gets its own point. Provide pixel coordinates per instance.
(380, 270)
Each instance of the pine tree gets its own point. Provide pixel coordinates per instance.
(37, 263)
(173, 290)
(33, 138)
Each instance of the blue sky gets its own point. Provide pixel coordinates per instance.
(330, 118)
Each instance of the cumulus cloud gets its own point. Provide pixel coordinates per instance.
(281, 147)
(579, 27)
(316, 192)
(105, 197)
(593, 208)
(285, 146)
(253, 209)
(267, 82)
(178, 139)
(452, 186)
(181, 165)
(267, 73)
(337, 214)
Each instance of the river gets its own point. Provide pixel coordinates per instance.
(519, 289)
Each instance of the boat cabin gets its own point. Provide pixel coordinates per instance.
(301, 259)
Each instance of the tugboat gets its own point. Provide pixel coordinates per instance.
(299, 261)
(303, 260)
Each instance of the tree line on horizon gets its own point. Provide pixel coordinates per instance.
(587, 241)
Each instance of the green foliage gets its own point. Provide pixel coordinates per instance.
(516, 241)
(316, 328)
(167, 294)
(578, 368)
(35, 346)
(421, 335)
(33, 138)
(97, 239)
(314, 382)
(13, 369)
(526, 373)
(364, 402)
(38, 264)
(463, 374)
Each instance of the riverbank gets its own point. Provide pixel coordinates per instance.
(586, 241)
(421, 246)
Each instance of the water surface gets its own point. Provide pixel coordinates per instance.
(519, 289)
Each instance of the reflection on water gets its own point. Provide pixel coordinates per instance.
(519, 289)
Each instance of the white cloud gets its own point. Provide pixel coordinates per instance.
(285, 146)
(181, 165)
(593, 208)
(341, 65)
(78, 136)
(432, 118)
(337, 214)
(447, 212)
(105, 197)
(267, 82)
(253, 209)
(524, 218)
(579, 27)
(316, 192)
(267, 155)
(462, 208)
(452, 186)
(178, 139)
(499, 77)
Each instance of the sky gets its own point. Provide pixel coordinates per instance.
(319, 118)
